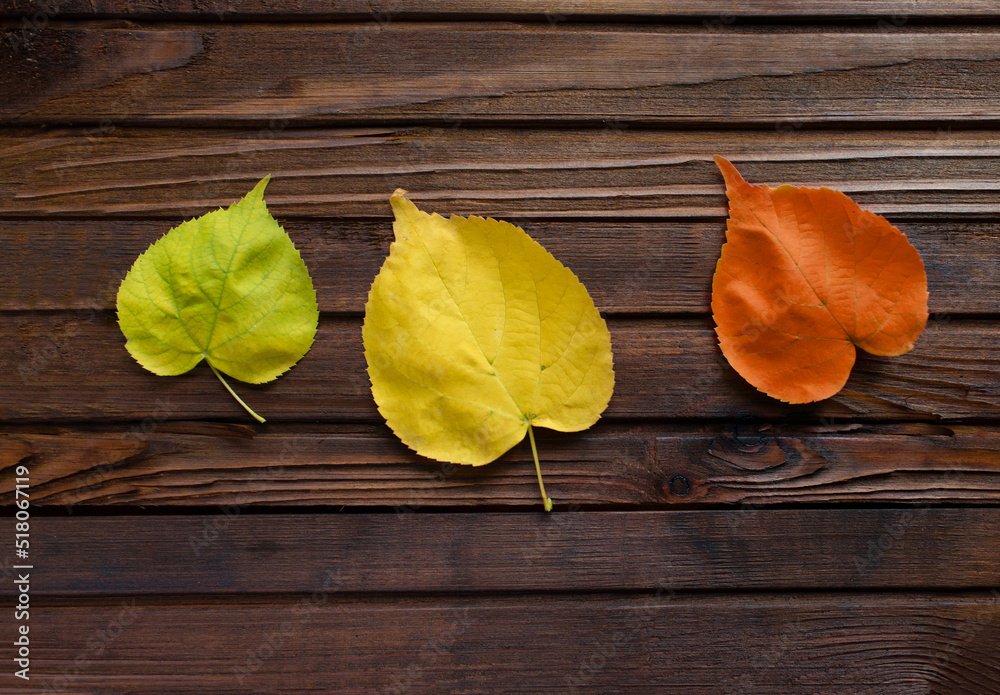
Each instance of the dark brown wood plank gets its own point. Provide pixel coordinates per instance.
(724, 12)
(920, 548)
(633, 267)
(770, 645)
(757, 463)
(176, 464)
(670, 263)
(609, 172)
(164, 463)
(483, 72)
(72, 366)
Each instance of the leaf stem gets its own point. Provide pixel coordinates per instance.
(538, 469)
(240, 400)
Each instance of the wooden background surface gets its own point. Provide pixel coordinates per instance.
(706, 538)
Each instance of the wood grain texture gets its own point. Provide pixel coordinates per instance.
(488, 553)
(176, 464)
(609, 172)
(72, 366)
(650, 267)
(489, 72)
(658, 572)
(785, 645)
(898, 12)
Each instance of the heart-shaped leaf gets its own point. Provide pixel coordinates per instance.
(474, 334)
(805, 276)
(229, 288)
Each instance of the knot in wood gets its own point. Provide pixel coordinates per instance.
(679, 486)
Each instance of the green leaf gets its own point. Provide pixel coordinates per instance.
(228, 287)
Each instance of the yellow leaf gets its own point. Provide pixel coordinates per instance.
(474, 333)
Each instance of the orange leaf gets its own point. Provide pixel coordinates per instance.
(804, 276)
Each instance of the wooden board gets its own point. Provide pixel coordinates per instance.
(73, 366)
(609, 172)
(649, 267)
(224, 553)
(480, 72)
(846, 644)
(175, 464)
(724, 12)
(706, 538)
